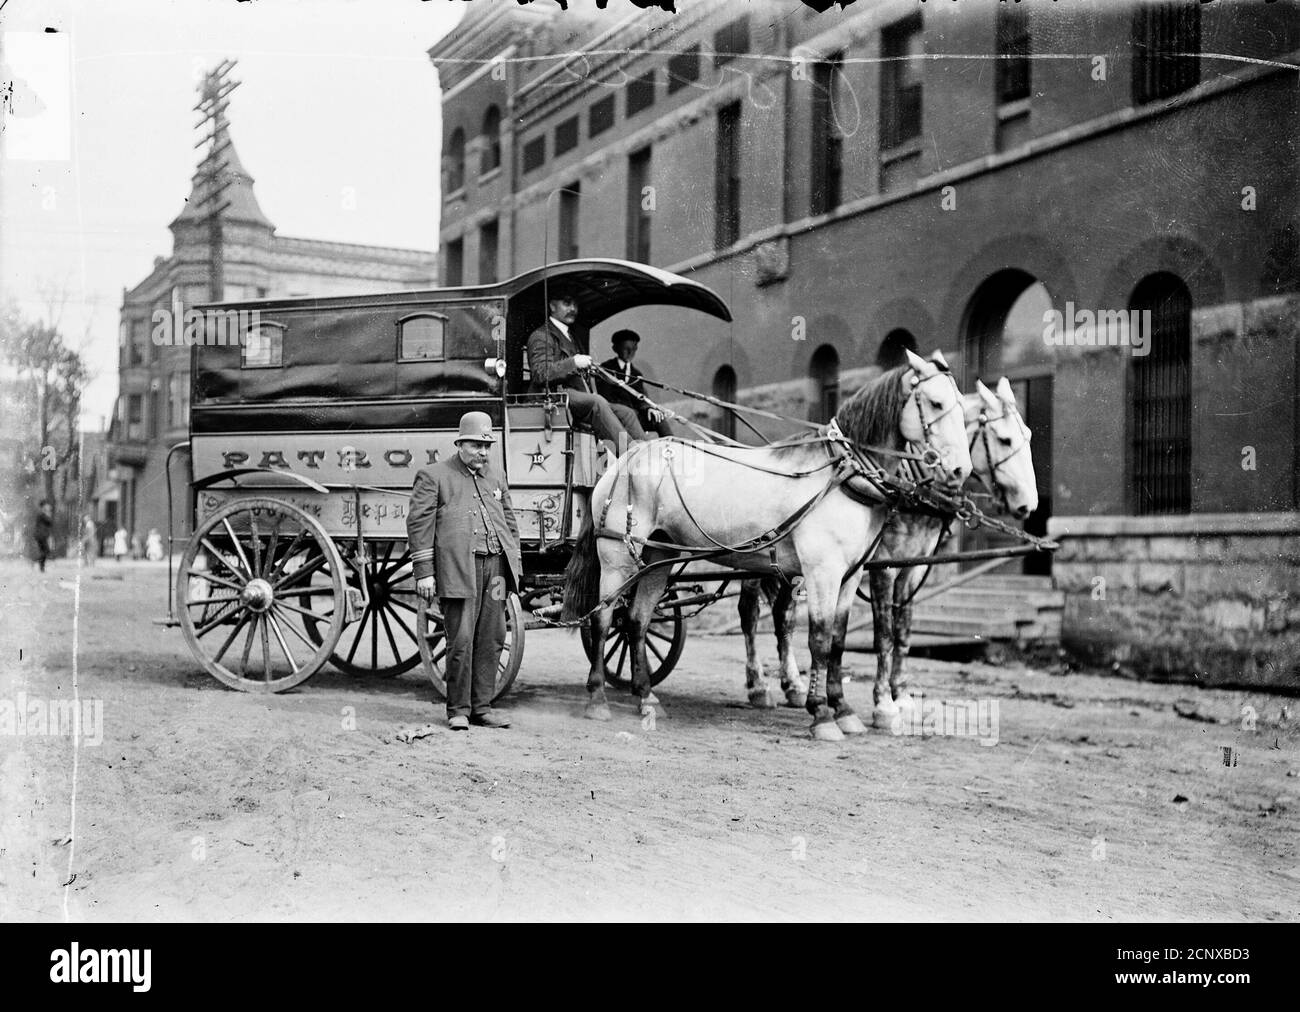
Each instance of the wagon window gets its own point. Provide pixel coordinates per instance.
(263, 347)
(423, 337)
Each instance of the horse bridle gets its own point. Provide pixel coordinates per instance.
(930, 456)
(982, 434)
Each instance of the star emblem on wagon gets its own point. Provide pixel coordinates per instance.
(537, 459)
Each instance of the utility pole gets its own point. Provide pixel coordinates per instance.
(214, 97)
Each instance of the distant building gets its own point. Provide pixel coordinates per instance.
(152, 410)
(855, 183)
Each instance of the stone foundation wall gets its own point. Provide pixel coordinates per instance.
(1209, 598)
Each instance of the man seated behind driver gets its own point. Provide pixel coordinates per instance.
(556, 363)
(625, 344)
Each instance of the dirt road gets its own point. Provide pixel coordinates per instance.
(203, 803)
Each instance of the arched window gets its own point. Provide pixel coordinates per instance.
(263, 346)
(724, 389)
(491, 157)
(421, 336)
(890, 354)
(1003, 334)
(456, 161)
(1160, 395)
(824, 369)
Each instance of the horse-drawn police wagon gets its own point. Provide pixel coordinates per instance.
(307, 428)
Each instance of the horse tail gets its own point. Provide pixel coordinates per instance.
(582, 577)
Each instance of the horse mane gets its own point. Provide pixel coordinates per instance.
(871, 416)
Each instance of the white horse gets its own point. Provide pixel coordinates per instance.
(1000, 457)
(999, 441)
(784, 509)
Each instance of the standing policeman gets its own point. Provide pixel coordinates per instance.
(462, 528)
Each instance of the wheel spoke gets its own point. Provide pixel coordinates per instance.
(388, 630)
(374, 640)
(239, 549)
(224, 560)
(654, 649)
(279, 637)
(321, 616)
(613, 642)
(301, 574)
(266, 651)
(270, 550)
(660, 635)
(622, 655)
(361, 629)
(403, 604)
(295, 630)
(248, 647)
(310, 591)
(231, 638)
(405, 628)
(257, 544)
(211, 600)
(212, 623)
(284, 559)
(203, 574)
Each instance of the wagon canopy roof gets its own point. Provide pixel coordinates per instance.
(605, 288)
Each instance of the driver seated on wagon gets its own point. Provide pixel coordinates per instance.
(555, 362)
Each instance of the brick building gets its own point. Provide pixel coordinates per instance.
(903, 175)
(152, 410)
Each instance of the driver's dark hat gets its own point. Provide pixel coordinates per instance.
(560, 290)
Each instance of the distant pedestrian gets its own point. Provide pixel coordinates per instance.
(42, 528)
(119, 544)
(153, 549)
(89, 539)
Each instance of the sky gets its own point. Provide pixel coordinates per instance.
(335, 96)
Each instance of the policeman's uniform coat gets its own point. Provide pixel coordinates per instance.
(444, 523)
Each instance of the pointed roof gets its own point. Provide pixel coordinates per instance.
(243, 202)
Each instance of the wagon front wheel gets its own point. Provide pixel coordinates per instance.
(432, 638)
(257, 578)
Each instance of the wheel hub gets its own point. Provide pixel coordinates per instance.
(257, 595)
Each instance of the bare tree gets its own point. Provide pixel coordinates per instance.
(50, 380)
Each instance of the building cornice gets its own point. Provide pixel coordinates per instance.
(623, 47)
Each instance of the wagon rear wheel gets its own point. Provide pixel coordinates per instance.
(433, 648)
(241, 588)
(383, 639)
(664, 642)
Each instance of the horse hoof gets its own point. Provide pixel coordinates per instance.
(598, 711)
(850, 723)
(797, 699)
(887, 720)
(761, 697)
(827, 731)
(650, 699)
(905, 703)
